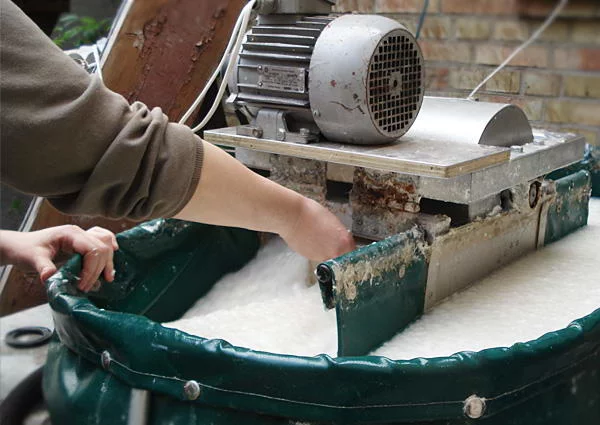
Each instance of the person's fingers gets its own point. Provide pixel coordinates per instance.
(44, 266)
(97, 255)
(105, 236)
(92, 267)
(318, 234)
(109, 267)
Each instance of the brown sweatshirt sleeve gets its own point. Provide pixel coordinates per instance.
(66, 137)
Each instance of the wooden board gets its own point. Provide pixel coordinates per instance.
(160, 52)
(431, 158)
(164, 52)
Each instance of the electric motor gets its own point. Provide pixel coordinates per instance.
(351, 78)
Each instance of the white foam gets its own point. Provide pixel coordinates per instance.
(267, 306)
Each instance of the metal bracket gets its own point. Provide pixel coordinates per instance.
(271, 124)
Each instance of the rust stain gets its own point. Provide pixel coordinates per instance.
(381, 190)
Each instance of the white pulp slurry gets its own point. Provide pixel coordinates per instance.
(267, 306)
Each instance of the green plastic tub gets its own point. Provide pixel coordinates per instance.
(111, 362)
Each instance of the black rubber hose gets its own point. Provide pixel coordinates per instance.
(22, 399)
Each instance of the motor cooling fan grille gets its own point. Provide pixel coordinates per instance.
(395, 86)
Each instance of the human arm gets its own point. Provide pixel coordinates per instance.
(37, 250)
(66, 137)
(232, 195)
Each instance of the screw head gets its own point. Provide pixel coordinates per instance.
(191, 390)
(105, 359)
(474, 407)
(257, 132)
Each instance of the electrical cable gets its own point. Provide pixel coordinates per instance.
(231, 52)
(422, 19)
(559, 7)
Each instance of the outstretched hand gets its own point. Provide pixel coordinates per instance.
(317, 234)
(37, 250)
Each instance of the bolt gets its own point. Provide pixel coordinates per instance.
(259, 68)
(305, 132)
(260, 84)
(517, 149)
(105, 359)
(474, 407)
(191, 390)
(257, 132)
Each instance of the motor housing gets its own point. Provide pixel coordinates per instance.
(351, 78)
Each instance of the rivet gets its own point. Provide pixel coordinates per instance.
(106, 359)
(323, 273)
(474, 407)
(191, 390)
(534, 194)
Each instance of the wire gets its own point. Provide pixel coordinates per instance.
(215, 74)
(230, 67)
(559, 7)
(231, 51)
(422, 19)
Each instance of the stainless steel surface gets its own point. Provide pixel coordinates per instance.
(468, 253)
(468, 179)
(139, 405)
(369, 90)
(434, 158)
(467, 121)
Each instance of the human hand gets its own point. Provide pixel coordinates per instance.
(36, 250)
(317, 234)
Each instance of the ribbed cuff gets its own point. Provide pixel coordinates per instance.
(197, 172)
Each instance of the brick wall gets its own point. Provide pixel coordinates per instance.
(556, 80)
